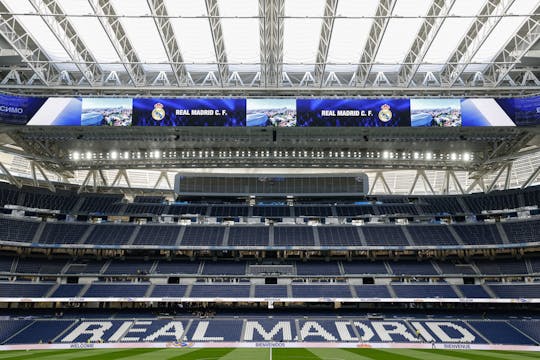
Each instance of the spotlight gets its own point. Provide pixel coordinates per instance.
(76, 156)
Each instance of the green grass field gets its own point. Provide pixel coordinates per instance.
(277, 354)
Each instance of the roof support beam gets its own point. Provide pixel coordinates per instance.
(30, 53)
(271, 14)
(219, 44)
(376, 34)
(427, 33)
(527, 182)
(67, 36)
(168, 38)
(330, 10)
(12, 180)
(523, 40)
(473, 40)
(118, 37)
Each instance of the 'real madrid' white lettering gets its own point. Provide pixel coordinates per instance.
(426, 336)
(396, 328)
(365, 331)
(344, 332)
(173, 329)
(318, 330)
(84, 329)
(283, 326)
(200, 333)
(136, 330)
(437, 328)
(122, 330)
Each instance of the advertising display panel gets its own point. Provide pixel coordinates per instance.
(353, 112)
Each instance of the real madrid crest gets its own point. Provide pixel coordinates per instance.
(158, 113)
(385, 114)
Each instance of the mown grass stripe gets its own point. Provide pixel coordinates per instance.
(377, 354)
(293, 354)
(200, 354)
(333, 354)
(479, 354)
(23, 355)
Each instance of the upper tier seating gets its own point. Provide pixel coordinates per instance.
(248, 236)
(516, 290)
(405, 267)
(440, 205)
(224, 268)
(354, 210)
(176, 267)
(22, 289)
(431, 235)
(211, 291)
(317, 268)
(424, 291)
(478, 234)
(293, 236)
(203, 236)
(496, 200)
(149, 199)
(317, 211)
(116, 290)
(229, 211)
(382, 235)
(164, 235)
(364, 267)
(110, 234)
(129, 267)
(264, 291)
(522, 232)
(316, 291)
(45, 199)
(502, 266)
(272, 211)
(17, 230)
(62, 233)
(145, 209)
(339, 236)
(100, 203)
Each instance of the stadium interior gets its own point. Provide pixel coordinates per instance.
(314, 174)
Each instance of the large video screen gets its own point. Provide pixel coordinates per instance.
(189, 112)
(353, 112)
(271, 112)
(106, 112)
(279, 112)
(436, 112)
(59, 111)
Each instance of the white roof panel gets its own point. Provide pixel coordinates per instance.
(301, 41)
(193, 35)
(400, 33)
(308, 8)
(40, 32)
(345, 48)
(451, 32)
(142, 33)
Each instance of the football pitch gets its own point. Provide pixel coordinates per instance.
(276, 354)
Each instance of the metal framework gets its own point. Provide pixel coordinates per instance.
(120, 40)
(37, 73)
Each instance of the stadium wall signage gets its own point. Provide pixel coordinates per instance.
(238, 112)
